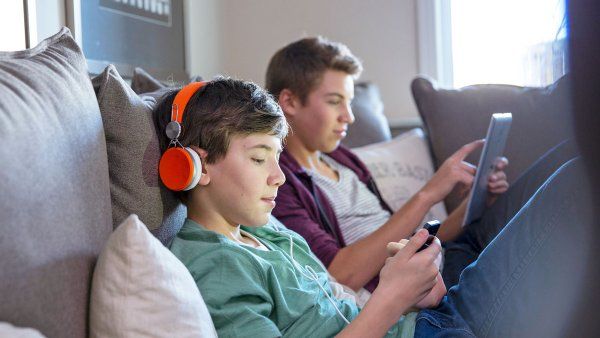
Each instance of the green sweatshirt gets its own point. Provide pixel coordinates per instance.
(255, 293)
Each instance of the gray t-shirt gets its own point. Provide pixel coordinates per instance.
(357, 209)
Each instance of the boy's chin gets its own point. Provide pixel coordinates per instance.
(331, 146)
(258, 221)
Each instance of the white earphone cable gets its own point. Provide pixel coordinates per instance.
(312, 275)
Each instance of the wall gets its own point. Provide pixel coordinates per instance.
(383, 35)
(204, 37)
(237, 38)
(201, 23)
(51, 16)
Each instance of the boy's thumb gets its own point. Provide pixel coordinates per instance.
(416, 241)
(393, 247)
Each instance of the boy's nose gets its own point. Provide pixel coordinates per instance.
(277, 178)
(348, 116)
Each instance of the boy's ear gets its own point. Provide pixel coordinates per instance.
(289, 102)
(205, 178)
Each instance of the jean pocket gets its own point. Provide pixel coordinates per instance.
(435, 318)
(443, 321)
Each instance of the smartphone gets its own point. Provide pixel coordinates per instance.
(432, 227)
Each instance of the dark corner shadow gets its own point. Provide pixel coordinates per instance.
(584, 50)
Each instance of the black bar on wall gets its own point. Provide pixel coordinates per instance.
(26, 22)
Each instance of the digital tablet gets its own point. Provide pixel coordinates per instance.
(493, 148)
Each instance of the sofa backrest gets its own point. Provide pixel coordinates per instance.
(55, 206)
(454, 117)
(370, 125)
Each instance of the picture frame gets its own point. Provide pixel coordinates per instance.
(131, 33)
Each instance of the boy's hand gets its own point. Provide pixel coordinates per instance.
(453, 171)
(435, 296)
(409, 276)
(497, 182)
(393, 248)
(437, 293)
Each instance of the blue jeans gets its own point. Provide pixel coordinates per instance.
(443, 321)
(527, 281)
(477, 235)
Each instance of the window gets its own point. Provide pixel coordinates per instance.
(494, 41)
(12, 25)
(509, 41)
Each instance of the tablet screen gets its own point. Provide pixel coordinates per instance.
(493, 149)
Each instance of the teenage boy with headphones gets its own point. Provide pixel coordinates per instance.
(330, 197)
(221, 142)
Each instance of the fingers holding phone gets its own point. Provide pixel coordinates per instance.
(432, 228)
(408, 274)
(430, 248)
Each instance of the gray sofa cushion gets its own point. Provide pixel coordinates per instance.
(370, 125)
(133, 155)
(541, 119)
(55, 205)
(142, 82)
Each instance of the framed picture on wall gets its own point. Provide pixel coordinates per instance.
(131, 33)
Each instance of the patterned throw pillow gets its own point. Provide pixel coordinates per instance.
(400, 168)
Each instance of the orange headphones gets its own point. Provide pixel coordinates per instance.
(180, 167)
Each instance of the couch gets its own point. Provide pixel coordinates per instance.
(542, 117)
(61, 199)
(79, 155)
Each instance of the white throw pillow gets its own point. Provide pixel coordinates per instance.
(140, 289)
(8, 330)
(401, 167)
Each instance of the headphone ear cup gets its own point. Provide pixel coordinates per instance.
(180, 168)
(197, 172)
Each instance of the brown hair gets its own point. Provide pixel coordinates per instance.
(220, 110)
(300, 65)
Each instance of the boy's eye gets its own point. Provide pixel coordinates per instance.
(335, 103)
(258, 160)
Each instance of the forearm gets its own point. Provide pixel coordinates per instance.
(452, 226)
(356, 264)
(376, 318)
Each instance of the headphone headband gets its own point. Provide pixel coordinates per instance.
(182, 98)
